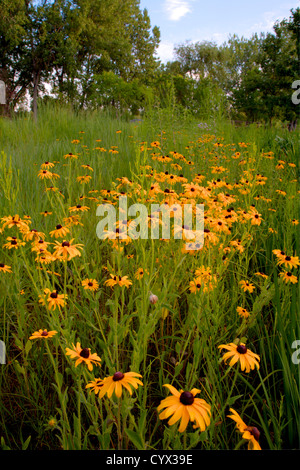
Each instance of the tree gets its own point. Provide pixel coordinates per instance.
(201, 59)
(265, 86)
(12, 31)
(68, 42)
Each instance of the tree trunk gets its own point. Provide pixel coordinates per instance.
(36, 80)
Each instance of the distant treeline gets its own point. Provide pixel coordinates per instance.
(102, 53)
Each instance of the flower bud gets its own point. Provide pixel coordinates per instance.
(153, 298)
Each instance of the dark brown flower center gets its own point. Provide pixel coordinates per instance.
(44, 333)
(84, 353)
(254, 431)
(287, 258)
(2, 265)
(65, 244)
(53, 295)
(58, 226)
(90, 284)
(186, 398)
(241, 349)
(118, 376)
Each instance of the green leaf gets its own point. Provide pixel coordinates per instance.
(19, 368)
(135, 439)
(232, 400)
(26, 443)
(28, 346)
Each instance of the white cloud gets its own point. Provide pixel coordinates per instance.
(176, 9)
(219, 38)
(269, 18)
(165, 51)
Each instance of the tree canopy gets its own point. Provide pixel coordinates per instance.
(92, 53)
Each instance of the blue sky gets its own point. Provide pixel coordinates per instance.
(199, 20)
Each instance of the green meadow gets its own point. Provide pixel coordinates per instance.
(143, 344)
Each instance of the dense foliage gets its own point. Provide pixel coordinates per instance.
(94, 53)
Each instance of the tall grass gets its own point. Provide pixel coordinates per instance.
(44, 402)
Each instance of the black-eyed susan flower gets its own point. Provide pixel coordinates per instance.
(78, 208)
(59, 231)
(288, 261)
(32, 234)
(287, 277)
(71, 156)
(88, 167)
(55, 299)
(184, 406)
(47, 165)
(4, 268)
(220, 225)
(118, 280)
(95, 385)
(46, 213)
(247, 286)
(195, 285)
(83, 179)
(116, 382)
(249, 433)
(39, 244)
(65, 251)
(90, 284)
(43, 334)
(51, 188)
(242, 312)
(45, 174)
(191, 190)
(13, 243)
(279, 253)
(240, 353)
(72, 220)
(14, 221)
(263, 275)
(140, 273)
(44, 256)
(83, 355)
(255, 218)
(237, 245)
